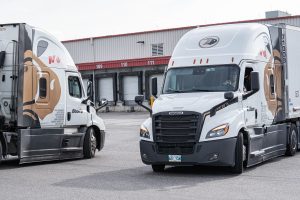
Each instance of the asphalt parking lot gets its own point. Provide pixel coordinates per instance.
(118, 173)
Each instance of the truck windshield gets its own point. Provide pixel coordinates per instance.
(220, 78)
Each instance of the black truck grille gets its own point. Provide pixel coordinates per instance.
(176, 134)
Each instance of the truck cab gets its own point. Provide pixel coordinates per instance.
(223, 100)
(45, 112)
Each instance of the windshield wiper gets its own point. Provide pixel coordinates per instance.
(175, 91)
(200, 90)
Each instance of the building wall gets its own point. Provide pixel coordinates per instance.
(122, 47)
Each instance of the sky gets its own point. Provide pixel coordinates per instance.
(73, 19)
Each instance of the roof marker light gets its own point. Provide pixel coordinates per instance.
(207, 60)
(194, 61)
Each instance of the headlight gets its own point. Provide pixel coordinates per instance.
(144, 132)
(218, 131)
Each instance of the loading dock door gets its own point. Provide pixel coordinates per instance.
(160, 78)
(131, 87)
(105, 88)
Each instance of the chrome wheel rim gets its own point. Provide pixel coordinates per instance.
(93, 141)
(294, 140)
(244, 153)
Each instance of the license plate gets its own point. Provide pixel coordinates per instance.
(174, 158)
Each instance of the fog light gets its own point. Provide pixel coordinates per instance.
(213, 157)
(145, 156)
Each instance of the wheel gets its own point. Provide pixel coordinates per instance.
(158, 168)
(291, 147)
(89, 143)
(240, 150)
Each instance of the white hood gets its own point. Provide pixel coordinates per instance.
(197, 102)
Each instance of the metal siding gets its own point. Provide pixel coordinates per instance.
(122, 48)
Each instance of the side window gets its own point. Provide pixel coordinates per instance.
(74, 87)
(43, 88)
(247, 79)
(157, 49)
(272, 85)
(41, 48)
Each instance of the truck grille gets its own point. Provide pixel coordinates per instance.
(176, 134)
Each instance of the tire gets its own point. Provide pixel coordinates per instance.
(238, 167)
(1, 154)
(158, 168)
(89, 143)
(292, 146)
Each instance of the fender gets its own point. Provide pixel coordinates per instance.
(98, 123)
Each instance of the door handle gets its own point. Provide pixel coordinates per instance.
(68, 116)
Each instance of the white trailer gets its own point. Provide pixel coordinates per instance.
(45, 112)
(230, 98)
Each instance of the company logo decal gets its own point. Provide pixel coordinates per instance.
(209, 42)
(175, 113)
(76, 111)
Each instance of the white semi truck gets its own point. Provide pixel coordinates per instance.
(45, 113)
(231, 97)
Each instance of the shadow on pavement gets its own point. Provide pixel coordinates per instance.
(142, 178)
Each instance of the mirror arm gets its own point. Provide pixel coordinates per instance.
(102, 106)
(148, 109)
(84, 101)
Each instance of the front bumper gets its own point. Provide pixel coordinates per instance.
(204, 154)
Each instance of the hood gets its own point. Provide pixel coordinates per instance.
(197, 102)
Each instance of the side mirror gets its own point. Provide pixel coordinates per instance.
(2, 58)
(154, 86)
(103, 102)
(254, 81)
(139, 99)
(228, 95)
(90, 90)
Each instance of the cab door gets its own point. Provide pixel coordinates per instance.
(250, 99)
(77, 112)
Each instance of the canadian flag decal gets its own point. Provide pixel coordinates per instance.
(54, 59)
